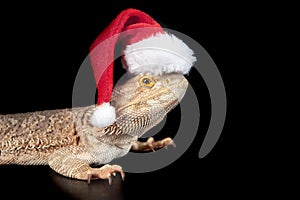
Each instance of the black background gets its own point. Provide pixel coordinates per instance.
(43, 46)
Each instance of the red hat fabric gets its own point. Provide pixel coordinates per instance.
(146, 49)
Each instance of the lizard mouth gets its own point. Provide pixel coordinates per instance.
(176, 91)
(178, 88)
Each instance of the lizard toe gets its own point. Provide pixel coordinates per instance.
(107, 171)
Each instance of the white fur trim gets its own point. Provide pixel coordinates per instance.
(159, 54)
(104, 115)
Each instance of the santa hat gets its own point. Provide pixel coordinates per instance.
(147, 49)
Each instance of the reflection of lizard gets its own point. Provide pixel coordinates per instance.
(67, 141)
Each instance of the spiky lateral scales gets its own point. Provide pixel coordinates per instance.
(29, 138)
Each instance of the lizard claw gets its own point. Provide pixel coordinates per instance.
(122, 175)
(109, 179)
(105, 172)
(89, 174)
(151, 147)
(171, 142)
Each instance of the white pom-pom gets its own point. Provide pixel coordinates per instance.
(104, 115)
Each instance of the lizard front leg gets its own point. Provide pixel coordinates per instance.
(151, 144)
(74, 162)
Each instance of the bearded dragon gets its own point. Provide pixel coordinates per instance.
(66, 140)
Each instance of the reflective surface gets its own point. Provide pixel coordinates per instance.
(95, 190)
(43, 183)
(39, 182)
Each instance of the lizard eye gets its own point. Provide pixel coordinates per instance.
(147, 81)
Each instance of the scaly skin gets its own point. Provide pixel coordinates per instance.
(66, 140)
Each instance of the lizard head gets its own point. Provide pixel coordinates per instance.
(149, 95)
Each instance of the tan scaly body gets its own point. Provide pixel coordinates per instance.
(66, 140)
